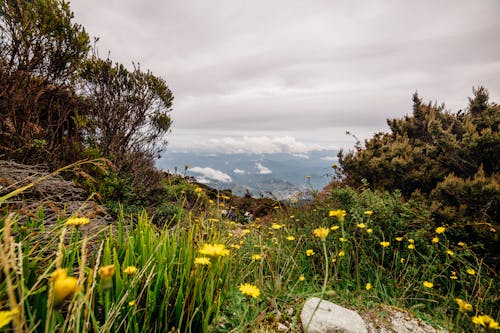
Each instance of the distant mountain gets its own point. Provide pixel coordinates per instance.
(277, 174)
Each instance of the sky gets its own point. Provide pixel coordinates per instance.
(293, 76)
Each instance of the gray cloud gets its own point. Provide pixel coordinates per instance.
(302, 66)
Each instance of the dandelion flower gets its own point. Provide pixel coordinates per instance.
(63, 285)
(256, 257)
(249, 290)
(338, 213)
(198, 190)
(341, 253)
(76, 221)
(402, 260)
(486, 321)
(308, 177)
(385, 244)
(435, 240)
(276, 226)
(290, 238)
(440, 230)
(411, 241)
(428, 284)
(342, 239)
(453, 276)
(463, 306)
(369, 231)
(411, 246)
(309, 252)
(399, 239)
(462, 244)
(130, 270)
(301, 278)
(450, 253)
(235, 246)
(368, 212)
(334, 227)
(470, 271)
(368, 286)
(321, 233)
(131, 303)
(202, 261)
(246, 231)
(7, 316)
(107, 272)
(214, 250)
(361, 225)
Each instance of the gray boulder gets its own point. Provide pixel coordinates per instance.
(320, 316)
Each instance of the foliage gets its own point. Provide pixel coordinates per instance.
(451, 159)
(40, 50)
(359, 249)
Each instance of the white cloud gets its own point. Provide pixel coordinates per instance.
(239, 171)
(329, 158)
(255, 145)
(262, 169)
(211, 174)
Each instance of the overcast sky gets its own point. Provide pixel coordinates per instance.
(299, 73)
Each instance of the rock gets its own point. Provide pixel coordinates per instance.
(330, 318)
(396, 321)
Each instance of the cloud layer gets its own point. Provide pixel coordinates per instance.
(206, 173)
(302, 66)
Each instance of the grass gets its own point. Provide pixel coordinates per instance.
(186, 276)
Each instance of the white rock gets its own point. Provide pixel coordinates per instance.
(330, 318)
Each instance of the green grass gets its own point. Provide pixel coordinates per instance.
(169, 292)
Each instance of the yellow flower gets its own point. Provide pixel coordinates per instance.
(246, 231)
(342, 239)
(411, 241)
(76, 221)
(290, 238)
(202, 261)
(368, 286)
(453, 276)
(463, 306)
(309, 252)
(470, 271)
(435, 240)
(485, 321)
(338, 213)
(214, 250)
(131, 303)
(368, 212)
(130, 270)
(276, 226)
(369, 230)
(341, 253)
(461, 244)
(411, 246)
(107, 272)
(402, 260)
(321, 233)
(399, 239)
(334, 227)
(235, 246)
(63, 285)
(198, 190)
(249, 290)
(308, 177)
(7, 316)
(440, 230)
(301, 278)
(256, 257)
(334, 260)
(385, 244)
(450, 252)
(428, 284)
(361, 225)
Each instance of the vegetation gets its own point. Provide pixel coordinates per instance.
(410, 222)
(449, 159)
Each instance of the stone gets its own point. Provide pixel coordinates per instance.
(328, 317)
